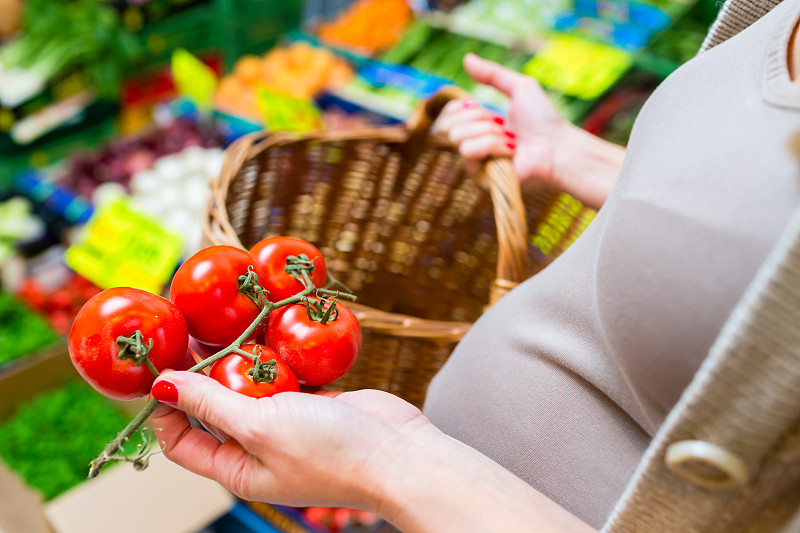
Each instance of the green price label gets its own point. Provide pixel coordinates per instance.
(283, 112)
(577, 67)
(194, 79)
(121, 246)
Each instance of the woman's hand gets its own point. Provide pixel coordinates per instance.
(294, 448)
(547, 150)
(366, 450)
(530, 133)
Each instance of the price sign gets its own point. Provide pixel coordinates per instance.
(577, 67)
(121, 246)
(283, 112)
(194, 79)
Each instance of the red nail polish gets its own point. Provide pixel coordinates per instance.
(499, 120)
(511, 146)
(165, 391)
(510, 134)
(470, 104)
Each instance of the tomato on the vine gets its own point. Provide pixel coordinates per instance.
(206, 289)
(235, 372)
(121, 312)
(318, 353)
(271, 254)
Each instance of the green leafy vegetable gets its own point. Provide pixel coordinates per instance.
(68, 34)
(21, 330)
(50, 440)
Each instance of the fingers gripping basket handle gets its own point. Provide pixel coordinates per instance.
(509, 210)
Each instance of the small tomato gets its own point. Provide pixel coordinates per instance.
(318, 353)
(235, 372)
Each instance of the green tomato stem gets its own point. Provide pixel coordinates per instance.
(110, 452)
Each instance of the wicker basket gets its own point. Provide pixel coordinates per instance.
(399, 220)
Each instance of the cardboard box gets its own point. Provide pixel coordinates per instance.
(164, 498)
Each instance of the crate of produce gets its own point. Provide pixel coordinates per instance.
(51, 425)
(423, 244)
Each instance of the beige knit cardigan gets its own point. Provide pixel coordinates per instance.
(727, 458)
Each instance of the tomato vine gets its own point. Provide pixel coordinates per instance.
(136, 348)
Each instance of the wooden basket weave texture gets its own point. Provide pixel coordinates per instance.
(401, 222)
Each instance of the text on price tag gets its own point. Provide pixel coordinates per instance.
(283, 112)
(120, 246)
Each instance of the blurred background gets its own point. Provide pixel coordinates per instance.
(114, 115)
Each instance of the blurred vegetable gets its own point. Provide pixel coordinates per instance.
(64, 35)
(21, 331)
(368, 25)
(175, 191)
(50, 440)
(513, 20)
(17, 224)
(58, 303)
(300, 70)
(120, 159)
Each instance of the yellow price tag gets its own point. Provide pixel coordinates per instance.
(283, 112)
(577, 67)
(194, 79)
(122, 247)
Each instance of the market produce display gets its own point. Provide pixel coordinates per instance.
(58, 37)
(239, 316)
(175, 191)
(123, 338)
(18, 224)
(512, 22)
(299, 70)
(368, 26)
(51, 438)
(58, 300)
(440, 52)
(22, 331)
(120, 159)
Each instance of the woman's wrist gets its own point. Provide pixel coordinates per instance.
(439, 484)
(586, 166)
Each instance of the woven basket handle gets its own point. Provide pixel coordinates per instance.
(509, 210)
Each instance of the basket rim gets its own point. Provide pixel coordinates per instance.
(498, 175)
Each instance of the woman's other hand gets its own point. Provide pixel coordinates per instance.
(547, 150)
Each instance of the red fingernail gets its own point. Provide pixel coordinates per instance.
(510, 134)
(164, 391)
(470, 104)
(512, 146)
(499, 120)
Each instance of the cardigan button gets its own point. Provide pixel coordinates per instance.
(706, 465)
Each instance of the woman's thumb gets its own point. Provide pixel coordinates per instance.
(490, 73)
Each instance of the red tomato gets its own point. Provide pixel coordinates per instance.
(206, 289)
(232, 372)
(317, 353)
(122, 311)
(271, 254)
